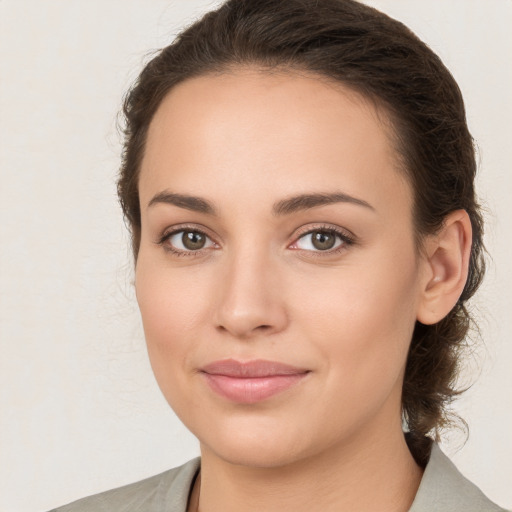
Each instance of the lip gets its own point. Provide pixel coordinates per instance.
(252, 381)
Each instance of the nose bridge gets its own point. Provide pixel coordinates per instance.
(249, 301)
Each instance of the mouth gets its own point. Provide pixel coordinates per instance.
(252, 381)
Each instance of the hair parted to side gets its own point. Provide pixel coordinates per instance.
(384, 61)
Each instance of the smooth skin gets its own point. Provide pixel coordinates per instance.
(226, 155)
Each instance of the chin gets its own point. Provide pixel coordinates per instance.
(254, 455)
(258, 444)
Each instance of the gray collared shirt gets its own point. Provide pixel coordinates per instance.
(442, 489)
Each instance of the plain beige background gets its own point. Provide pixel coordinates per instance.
(79, 409)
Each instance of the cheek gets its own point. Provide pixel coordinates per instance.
(362, 320)
(169, 301)
(173, 315)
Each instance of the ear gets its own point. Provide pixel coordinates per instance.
(446, 263)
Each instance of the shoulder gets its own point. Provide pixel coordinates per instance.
(444, 489)
(167, 491)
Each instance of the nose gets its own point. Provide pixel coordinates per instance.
(251, 301)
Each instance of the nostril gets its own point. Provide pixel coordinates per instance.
(244, 331)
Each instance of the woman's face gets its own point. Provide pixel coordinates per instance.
(277, 276)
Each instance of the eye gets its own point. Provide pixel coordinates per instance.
(187, 240)
(323, 240)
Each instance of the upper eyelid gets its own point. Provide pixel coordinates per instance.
(298, 232)
(345, 239)
(308, 229)
(172, 230)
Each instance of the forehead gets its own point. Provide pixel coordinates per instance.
(275, 132)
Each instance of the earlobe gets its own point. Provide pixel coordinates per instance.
(447, 262)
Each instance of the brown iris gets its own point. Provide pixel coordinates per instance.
(193, 240)
(323, 240)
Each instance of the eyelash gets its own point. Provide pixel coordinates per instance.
(181, 229)
(346, 240)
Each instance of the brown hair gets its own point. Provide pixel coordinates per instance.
(384, 61)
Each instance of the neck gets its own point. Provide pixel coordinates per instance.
(365, 474)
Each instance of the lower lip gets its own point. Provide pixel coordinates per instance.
(251, 390)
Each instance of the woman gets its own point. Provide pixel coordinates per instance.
(298, 180)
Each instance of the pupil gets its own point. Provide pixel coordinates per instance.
(193, 240)
(323, 240)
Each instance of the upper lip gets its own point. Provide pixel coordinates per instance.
(251, 369)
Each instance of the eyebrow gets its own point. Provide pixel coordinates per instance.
(307, 201)
(196, 204)
(280, 208)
